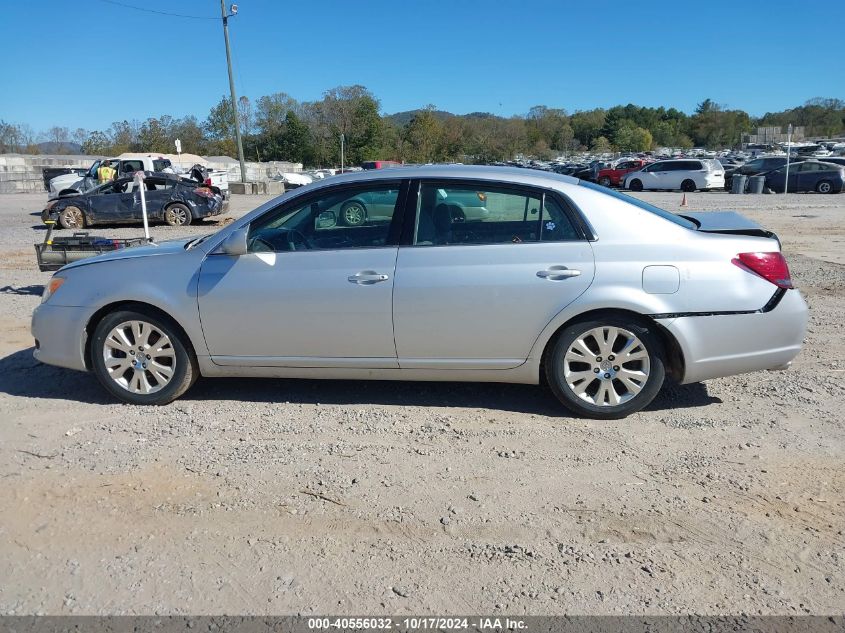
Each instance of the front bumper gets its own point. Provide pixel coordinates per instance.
(60, 335)
(726, 345)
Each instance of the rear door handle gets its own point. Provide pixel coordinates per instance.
(557, 273)
(367, 278)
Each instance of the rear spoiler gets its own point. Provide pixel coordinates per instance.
(727, 222)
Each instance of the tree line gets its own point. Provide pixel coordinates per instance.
(278, 127)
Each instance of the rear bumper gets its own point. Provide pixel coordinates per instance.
(60, 335)
(725, 345)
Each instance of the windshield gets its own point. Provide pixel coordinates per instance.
(663, 213)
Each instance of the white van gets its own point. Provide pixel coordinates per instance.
(686, 174)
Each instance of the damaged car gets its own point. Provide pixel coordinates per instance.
(169, 198)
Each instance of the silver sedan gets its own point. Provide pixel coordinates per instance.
(595, 293)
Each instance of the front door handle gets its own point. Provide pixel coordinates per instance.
(367, 278)
(557, 273)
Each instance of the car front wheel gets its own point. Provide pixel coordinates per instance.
(72, 218)
(606, 367)
(636, 185)
(141, 358)
(604, 181)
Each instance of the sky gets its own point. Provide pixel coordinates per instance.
(87, 63)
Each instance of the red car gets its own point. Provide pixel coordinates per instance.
(613, 177)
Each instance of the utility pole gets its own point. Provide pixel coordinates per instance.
(232, 85)
(788, 154)
(342, 139)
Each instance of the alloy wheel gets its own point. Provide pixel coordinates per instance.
(606, 366)
(353, 214)
(176, 216)
(72, 218)
(139, 357)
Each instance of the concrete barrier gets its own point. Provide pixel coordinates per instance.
(267, 187)
(21, 173)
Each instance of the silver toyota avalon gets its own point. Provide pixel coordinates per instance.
(436, 273)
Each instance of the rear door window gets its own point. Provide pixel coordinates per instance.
(488, 214)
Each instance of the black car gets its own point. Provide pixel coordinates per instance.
(174, 200)
(754, 167)
(808, 175)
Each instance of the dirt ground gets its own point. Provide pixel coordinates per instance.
(283, 496)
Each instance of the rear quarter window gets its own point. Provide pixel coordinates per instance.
(641, 204)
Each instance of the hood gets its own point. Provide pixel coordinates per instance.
(60, 182)
(154, 249)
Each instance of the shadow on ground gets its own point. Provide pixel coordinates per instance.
(22, 375)
(33, 290)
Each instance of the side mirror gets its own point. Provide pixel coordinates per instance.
(325, 220)
(235, 243)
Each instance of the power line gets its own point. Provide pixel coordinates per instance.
(172, 15)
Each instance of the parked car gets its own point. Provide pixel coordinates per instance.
(809, 175)
(611, 176)
(73, 183)
(600, 293)
(377, 206)
(754, 168)
(683, 174)
(214, 178)
(380, 164)
(48, 173)
(176, 201)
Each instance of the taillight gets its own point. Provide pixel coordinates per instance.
(204, 192)
(207, 182)
(770, 266)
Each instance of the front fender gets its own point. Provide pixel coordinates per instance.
(167, 282)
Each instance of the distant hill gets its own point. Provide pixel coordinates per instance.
(49, 147)
(403, 118)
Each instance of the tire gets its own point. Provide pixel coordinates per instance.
(177, 214)
(72, 218)
(604, 181)
(353, 213)
(824, 186)
(636, 185)
(122, 335)
(688, 186)
(588, 393)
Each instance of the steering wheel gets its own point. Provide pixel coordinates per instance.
(260, 245)
(295, 237)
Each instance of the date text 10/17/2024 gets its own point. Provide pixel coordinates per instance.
(417, 623)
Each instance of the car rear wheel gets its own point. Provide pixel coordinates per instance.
(606, 367)
(177, 214)
(688, 186)
(604, 181)
(353, 213)
(141, 358)
(72, 218)
(636, 185)
(824, 186)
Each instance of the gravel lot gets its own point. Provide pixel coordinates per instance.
(282, 496)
